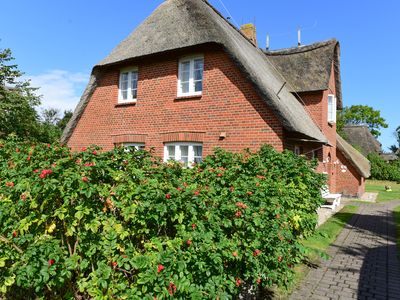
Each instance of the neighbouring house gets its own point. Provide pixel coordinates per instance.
(186, 81)
(360, 137)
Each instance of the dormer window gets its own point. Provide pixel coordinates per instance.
(128, 82)
(190, 78)
(331, 108)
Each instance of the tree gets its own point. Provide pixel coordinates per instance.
(361, 115)
(395, 148)
(17, 101)
(62, 123)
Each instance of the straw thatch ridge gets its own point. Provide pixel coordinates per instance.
(308, 68)
(178, 24)
(360, 137)
(362, 165)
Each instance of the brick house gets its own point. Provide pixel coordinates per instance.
(186, 81)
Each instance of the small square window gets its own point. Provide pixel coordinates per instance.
(190, 78)
(128, 83)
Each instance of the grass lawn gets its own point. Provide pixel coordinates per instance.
(318, 244)
(378, 186)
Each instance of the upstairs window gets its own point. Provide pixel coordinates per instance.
(331, 108)
(128, 82)
(190, 78)
(186, 153)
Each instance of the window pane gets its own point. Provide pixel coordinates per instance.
(198, 86)
(185, 76)
(199, 64)
(124, 77)
(125, 94)
(171, 152)
(185, 66)
(184, 150)
(185, 87)
(184, 154)
(198, 150)
(198, 75)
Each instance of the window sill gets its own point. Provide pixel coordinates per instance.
(331, 123)
(127, 103)
(188, 97)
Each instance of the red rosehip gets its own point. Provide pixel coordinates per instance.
(10, 184)
(114, 264)
(194, 226)
(196, 193)
(238, 282)
(51, 262)
(234, 253)
(249, 193)
(258, 280)
(160, 268)
(23, 197)
(172, 289)
(94, 152)
(36, 171)
(83, 149)
(14, 234)
(280, 258)
(29, 158)
(219, 175)
(256, 252)
(179, 189)
(188, 242)
(232, 188)
(85, 179)
(278, 216)
(168, 196)
(238, 214)
(48, 145)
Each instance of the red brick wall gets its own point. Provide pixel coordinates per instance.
(317, 105)
(349, 183)
(229, 104)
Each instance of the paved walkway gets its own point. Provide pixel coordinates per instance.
(363, 264)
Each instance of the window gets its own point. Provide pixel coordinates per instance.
(314, 154)
(297, 150)
(128, 82)
(136, 146)
(331, 108)
(190, 78)
(187, 153)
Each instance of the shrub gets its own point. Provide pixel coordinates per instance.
(383, 170)
(124, 225)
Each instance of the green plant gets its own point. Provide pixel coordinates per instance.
(124, 225)
(383, 170)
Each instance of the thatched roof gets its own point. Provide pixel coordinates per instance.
(360, 137)
(178, 24)
(360, 163)
(308, 68)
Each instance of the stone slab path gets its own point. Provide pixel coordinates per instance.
(363, 263)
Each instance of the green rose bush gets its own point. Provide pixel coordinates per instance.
(124, 225)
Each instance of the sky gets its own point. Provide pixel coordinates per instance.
(57, 42)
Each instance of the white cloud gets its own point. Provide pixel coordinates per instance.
(59, 88)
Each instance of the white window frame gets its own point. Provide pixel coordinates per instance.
(178, 153)
(191, 91)
(130, 98)
(331, 108)
(137, 146)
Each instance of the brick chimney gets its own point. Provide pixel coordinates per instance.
(249, 30)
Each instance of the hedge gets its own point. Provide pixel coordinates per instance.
(124, 225)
